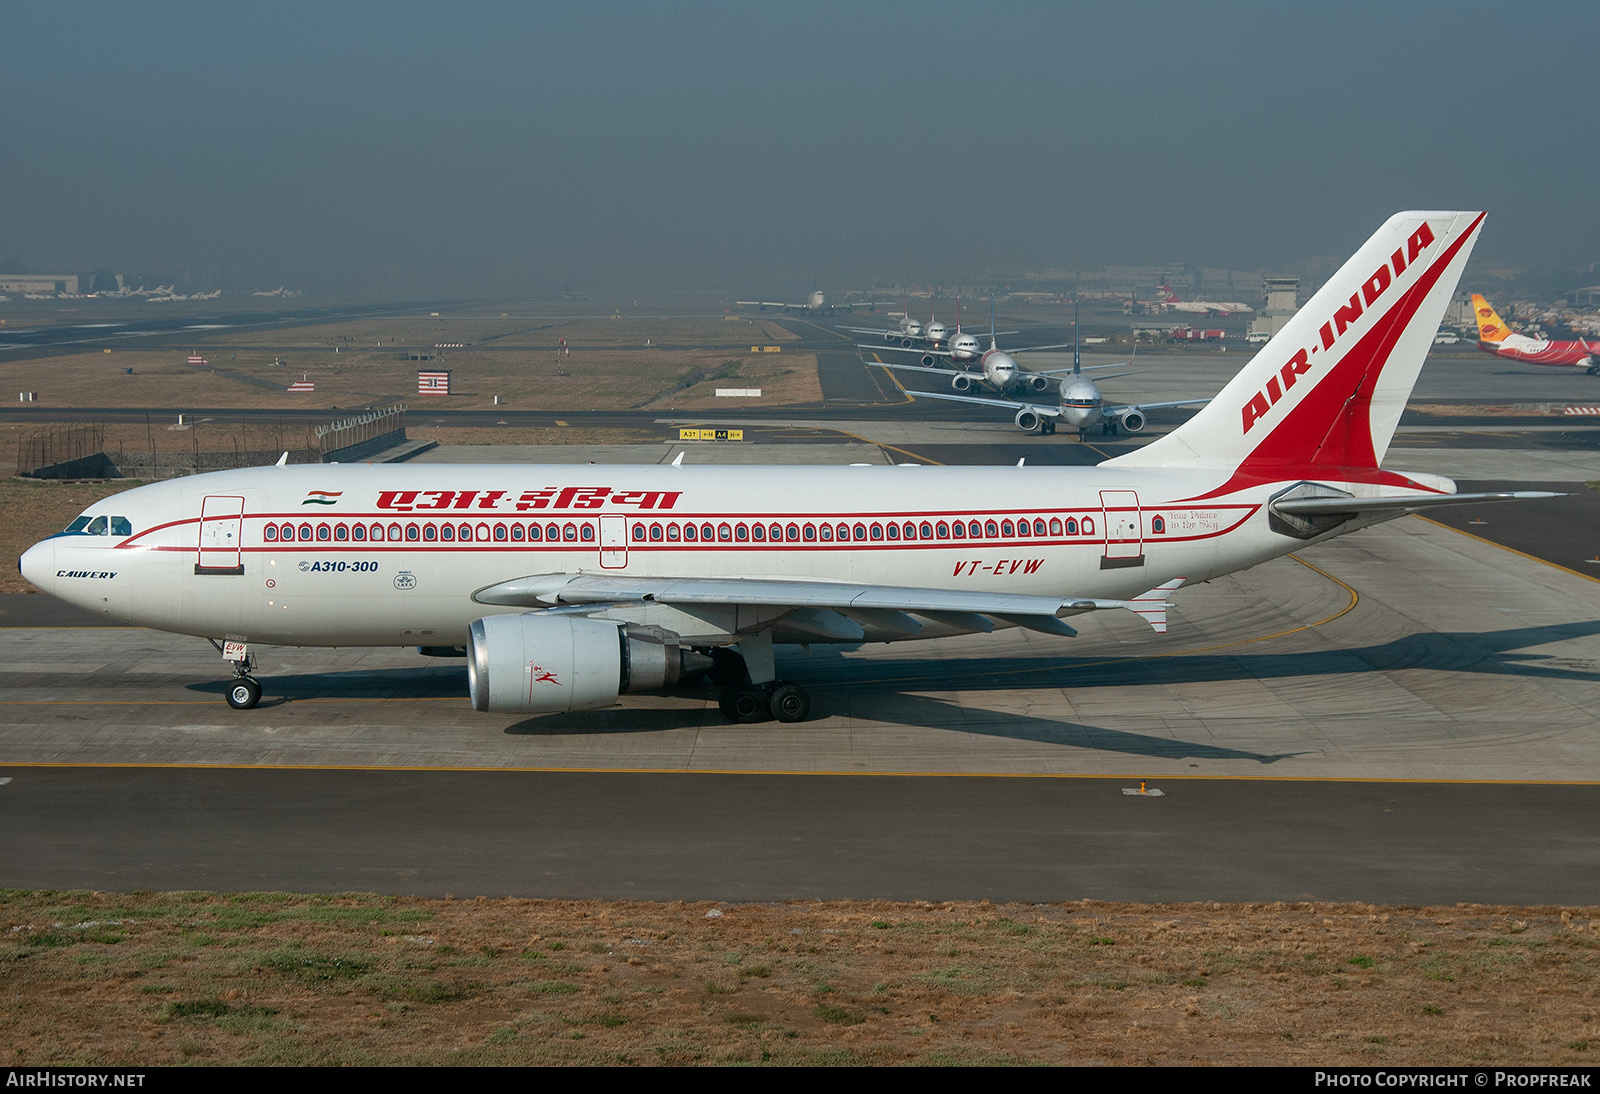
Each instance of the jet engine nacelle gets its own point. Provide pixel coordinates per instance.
(929, 360)
(1038, 383)
(543, 664)
(1132, 421)
(1027, 420)
(961, 382)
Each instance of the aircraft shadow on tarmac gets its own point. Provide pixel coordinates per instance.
(885, 691)
(918, 711)
(1492, 652)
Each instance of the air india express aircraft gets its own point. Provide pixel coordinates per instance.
(567, 586)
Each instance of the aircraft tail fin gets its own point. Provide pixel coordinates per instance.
(1491, 328)
(1327, 391)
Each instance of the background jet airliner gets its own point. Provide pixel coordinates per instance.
(568, 586)
(815, 304)
(996, 369)
(1080, 405)
(1170, 302)
(1497, 338)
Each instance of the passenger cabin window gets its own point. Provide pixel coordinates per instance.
(270, 533)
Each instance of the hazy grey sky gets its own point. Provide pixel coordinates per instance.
(508, 148)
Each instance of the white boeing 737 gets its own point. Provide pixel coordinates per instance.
(571, 585)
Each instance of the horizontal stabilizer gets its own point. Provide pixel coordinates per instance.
(1314, 506)
(1152, 606)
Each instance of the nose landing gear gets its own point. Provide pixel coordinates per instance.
(245, 691)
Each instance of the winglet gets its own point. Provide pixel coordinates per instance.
(1152, 606)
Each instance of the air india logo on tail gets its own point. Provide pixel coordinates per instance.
(1344, 317)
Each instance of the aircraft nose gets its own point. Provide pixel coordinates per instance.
(38, 565)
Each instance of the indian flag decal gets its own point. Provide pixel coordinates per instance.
(322, 497)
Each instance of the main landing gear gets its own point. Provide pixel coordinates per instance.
(745, 702)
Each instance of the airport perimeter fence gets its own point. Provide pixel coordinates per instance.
(79, 451)
(78, 448)
(353, 438)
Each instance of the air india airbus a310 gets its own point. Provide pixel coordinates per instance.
(567, 586)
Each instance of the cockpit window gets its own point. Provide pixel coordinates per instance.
(97, 527)
(121, 526)
(78, 525)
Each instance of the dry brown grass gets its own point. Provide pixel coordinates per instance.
(152, 979)
(610, 367)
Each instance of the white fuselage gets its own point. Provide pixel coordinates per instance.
(392, 554)
(1000, 370)
(964, 348)
(1082, 405)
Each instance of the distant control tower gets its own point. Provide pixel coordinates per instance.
(1283, 300)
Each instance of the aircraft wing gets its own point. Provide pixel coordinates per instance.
(923, 368)
(1114, 411)
(1084, 368)
(901, 349)
(1044, 410)
(1036, 349)
(870, 330)
(975, 609)
(766, 304)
